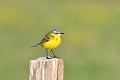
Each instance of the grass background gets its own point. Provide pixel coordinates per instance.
(90, 47)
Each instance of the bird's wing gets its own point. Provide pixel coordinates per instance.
(45, 39)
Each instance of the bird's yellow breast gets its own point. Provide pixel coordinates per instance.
(53, 42)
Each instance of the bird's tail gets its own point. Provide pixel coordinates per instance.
(36, 45)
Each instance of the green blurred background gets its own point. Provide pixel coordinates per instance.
(90, 47)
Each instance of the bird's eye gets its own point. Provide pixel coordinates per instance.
(56, 33)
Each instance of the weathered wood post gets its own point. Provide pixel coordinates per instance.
(46, 69)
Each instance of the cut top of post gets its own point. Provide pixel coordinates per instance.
(46, 69)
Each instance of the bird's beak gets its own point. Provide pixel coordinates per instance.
(61, 33)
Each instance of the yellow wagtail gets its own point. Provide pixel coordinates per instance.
(50, 41)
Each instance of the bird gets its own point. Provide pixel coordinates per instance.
(50, 41)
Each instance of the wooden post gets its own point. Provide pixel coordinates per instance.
(46, 69)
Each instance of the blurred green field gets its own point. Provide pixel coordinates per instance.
(90, 47)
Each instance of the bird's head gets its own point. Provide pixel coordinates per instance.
(56, 32)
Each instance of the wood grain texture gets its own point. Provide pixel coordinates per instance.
(46, 69)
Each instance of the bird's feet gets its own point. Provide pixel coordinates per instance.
(55, 57)
(48, 57)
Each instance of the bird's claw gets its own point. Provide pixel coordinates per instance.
(48, 57)
(55, 57)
